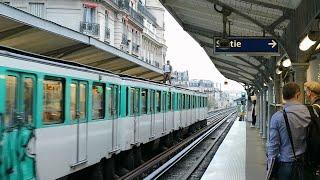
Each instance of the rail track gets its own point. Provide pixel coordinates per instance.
(162, 162)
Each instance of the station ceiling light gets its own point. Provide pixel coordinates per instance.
(318, 47)
(286, 63)
(309, 40)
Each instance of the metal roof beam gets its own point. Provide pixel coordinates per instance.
(206, 44)
(263, 27)
(278, 21)
(201, 31)
(244, 60)
(59, 53)
(123, 69)
(232, 70)
(103, 61)
(144, 73)
(268, 5)
(232, 64)
(11, 32)
(235, 78)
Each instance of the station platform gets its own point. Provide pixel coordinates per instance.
(241, 156)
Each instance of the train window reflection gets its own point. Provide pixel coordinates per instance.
(11, 99)
(144, 95)
(98, 102)
(28, 99)
(53, 97)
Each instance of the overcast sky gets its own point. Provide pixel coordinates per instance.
(185, 53)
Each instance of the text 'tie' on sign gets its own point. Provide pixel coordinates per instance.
(256, 46)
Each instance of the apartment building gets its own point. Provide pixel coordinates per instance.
(133, 26)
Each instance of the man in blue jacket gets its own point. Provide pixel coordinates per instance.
(279, 145)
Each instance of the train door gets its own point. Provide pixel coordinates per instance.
(180, 101)
(17, 124)
(113, 113)
(152, 113)
(198, 108)
(172, 104)
(164, 109)
(79, 117)
(135, 96)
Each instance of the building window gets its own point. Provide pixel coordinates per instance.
(89, 14)
(37, 9)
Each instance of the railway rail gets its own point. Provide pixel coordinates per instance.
(175, 153)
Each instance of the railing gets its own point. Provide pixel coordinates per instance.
(135, 48)
(115, 2)
(90, 28)
(146, 12)
(124, 4)
(107, 34)
(156, 64)
(153, 35)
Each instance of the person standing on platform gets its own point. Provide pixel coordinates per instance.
(167, 69)
(254, 114)
(287, 136)
(312, 90)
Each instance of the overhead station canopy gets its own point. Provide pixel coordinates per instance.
(24, 31)
(203, 20)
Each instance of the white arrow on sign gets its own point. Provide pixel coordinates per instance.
(272, 44)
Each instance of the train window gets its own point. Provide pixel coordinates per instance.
(183, 101)
(127, 100)
(83, 100)
(169, 101)
(28, 98)
(158, 101)
(112, 92)
(134, 101)
(152, 101)
(53, 101)
(11, 99)
(98, 101)
(78, 101)
(73, 100)
(144, 99)
(203, 101)
(131, 101)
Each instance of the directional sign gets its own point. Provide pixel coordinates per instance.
(258, 46)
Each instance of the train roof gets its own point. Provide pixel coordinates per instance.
(13, 51)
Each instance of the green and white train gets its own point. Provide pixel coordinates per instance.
(60, 117)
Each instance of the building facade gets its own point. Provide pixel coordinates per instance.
(180, 78)
(133, 26)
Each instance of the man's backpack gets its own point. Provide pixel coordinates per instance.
(313, 138)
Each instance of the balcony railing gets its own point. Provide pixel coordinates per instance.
(124, 4)
(87, 28)
(125, 40)
(107, 34)
(146, 12)
(115, 2)
(135, 48)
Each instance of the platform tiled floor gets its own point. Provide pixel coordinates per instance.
(241, 156)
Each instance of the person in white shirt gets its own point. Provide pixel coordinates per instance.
(167, 69)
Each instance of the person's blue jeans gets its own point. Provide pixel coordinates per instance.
(290, 171)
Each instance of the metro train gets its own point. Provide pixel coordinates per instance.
(59, 117)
